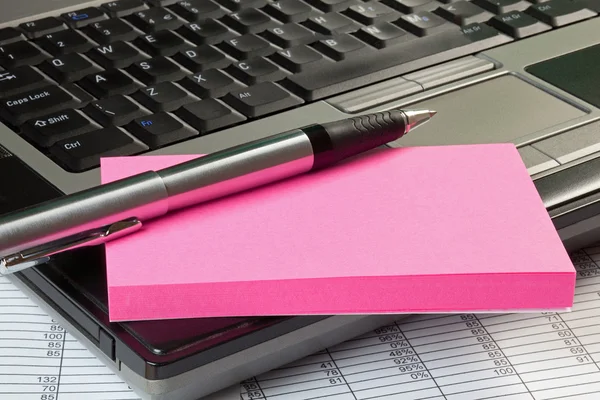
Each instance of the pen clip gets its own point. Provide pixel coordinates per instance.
(41, 254)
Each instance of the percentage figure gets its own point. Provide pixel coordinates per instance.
(392, 337)
(402, 352)
(411, 368)
(419, 375)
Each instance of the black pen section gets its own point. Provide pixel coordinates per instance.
(335, 141)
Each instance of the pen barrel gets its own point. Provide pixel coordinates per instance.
(238, 168)
(143, 196)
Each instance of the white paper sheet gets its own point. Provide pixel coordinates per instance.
(40, 361)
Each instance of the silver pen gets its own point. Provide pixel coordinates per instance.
(30, 236)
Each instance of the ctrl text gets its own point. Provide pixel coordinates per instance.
(31, 97)
(72, 145)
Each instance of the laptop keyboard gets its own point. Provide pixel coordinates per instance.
(133, 76)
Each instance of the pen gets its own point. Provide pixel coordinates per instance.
(106, 212)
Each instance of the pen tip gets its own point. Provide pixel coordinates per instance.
(415, 118)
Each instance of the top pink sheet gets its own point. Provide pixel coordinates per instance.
(422, 229)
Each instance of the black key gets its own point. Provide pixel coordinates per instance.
(263, 98)
(20, 53)
(201, 58)
(330, 5)
(235, 5)
(330, 23)
(209, 83)
(115, 55)
(288, 10)
(19, 108)
(463, 13)
(208, 31)
(162, 3)
(377, 65)
(157, 69)
(164, 96)
(560, 13)
(340, 47)
(10, 35)
(247, 46)
(115, 110)
(111, 30)
(41, 27)
(164, 43)
(593, 5)
(108, 83)
(381, 35)
(122, 8)
(502, 6)
(196, 10)
(83, 17)
(65, 42)
(289, 35)
(371, 13)
(298, 58)
(154, 20)
(50, 128)
(518, 24)
(19, 79)
(208, 115)
(413, 6)
(84, 151)
(423, 23)
(67, 68)
(159, 130)
(249, 20)
(255, 71)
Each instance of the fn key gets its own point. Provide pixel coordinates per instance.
(84, 151)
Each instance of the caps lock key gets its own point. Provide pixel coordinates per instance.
(19, 108)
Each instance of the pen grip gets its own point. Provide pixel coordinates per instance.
(358, 134)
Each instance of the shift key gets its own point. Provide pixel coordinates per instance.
(83, 152)
(19, 108)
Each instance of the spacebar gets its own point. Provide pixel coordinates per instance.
(376, 65)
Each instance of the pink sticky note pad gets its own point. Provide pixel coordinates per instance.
(421, 229)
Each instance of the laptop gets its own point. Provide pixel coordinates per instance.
(80, 80)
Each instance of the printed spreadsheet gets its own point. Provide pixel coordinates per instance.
(461, 356)
(39, 360)
(538, 356)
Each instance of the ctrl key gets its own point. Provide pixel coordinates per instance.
(83, 152)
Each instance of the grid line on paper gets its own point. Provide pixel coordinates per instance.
(421, 360)
(341, 374)
(507, 359)
(62, 357)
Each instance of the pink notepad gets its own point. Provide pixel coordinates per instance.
(422, 229)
